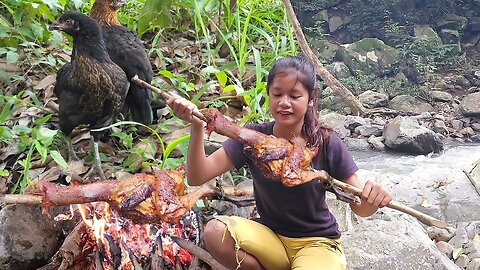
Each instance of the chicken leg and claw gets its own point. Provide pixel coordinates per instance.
(277, 158)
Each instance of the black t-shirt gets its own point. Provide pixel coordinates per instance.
(298, 211)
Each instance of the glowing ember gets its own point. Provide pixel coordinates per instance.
(118, 241)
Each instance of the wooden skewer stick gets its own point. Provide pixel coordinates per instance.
(422, 217)
(163, 94)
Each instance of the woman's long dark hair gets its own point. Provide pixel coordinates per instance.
(312, 130)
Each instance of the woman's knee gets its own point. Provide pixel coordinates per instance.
(216, 233)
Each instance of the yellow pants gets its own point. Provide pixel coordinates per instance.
(277, 252)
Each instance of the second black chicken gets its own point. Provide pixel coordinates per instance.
(127, 51)
(91, 89)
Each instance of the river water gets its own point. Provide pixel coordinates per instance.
(434, 184)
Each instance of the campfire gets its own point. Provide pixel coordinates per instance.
(103, 239)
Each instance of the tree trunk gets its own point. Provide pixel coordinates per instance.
(331, 81)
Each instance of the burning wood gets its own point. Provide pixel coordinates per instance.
(103, 240)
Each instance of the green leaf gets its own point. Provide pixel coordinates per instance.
(77, 3)
(154, 13)
(12, 57)
(52, 4)
(172, 146)
(166, 74)
(19, 129)
(5, 133)
(34, 98)
(43, 120)
(59, 159)
(4, 173)
(3, 21)
(45, 136)
(210, 69)
(229, 88)
(222, 78)
(41, 150)
(56, 38)
(37, 29)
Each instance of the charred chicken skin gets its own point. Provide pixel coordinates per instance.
(145, 197)
(277, 158)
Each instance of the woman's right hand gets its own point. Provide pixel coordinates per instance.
(183, 109)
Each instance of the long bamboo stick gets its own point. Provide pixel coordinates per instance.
(422, 217)
(163, 94)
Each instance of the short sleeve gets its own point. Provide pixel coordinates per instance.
(339, 159)
(234, 150)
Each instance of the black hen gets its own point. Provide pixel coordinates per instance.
(91, 89)
(127, 51)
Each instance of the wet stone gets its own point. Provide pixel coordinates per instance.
(462, 261)
(474, 264)
(438, 234)
(445, 248)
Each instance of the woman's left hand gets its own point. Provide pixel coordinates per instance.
(374, 194)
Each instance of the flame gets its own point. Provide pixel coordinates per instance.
(128, 238)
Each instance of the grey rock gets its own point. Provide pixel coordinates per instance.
(27, 237)
(400, 243)
(352, 121)
(439, 234)
(376, 142)
(369, 130)
(462, 261)
(474, 265)
(472, 249)
(356, 144)
(440, 96)
(470, 105)
(411, 104)
(406, 135)
(371, 99)
(445, 248)
(460, 238)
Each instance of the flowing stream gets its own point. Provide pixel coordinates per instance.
(434, 184)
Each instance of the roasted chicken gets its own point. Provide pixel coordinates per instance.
(144, 198)
(277, 158)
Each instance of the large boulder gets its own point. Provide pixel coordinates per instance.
(453, 21)
(371, 99)
(407, 103)
(399, 243)
(406, 135)
(470, 105)
(324, 49)
(367, 56)
(427, 34)
(28, 238)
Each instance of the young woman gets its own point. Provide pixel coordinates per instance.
(295, 229)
